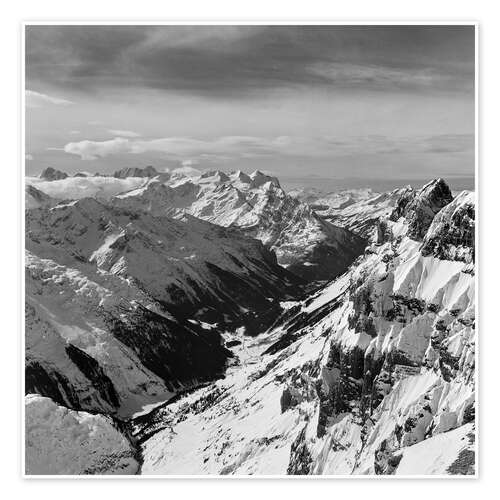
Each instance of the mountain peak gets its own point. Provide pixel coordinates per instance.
(241, 176)
(51, 174)
(215, 175)
(436, 193)
(259, 178)
(420, 207)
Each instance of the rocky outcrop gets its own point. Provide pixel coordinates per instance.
(52, 174)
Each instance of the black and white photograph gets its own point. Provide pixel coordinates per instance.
(249, 249)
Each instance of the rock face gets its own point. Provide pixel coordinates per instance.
(307, 245)
(51, 174)
(370, 375)
(62, 441)
(148, 171)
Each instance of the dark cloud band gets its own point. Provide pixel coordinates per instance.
(245, 60)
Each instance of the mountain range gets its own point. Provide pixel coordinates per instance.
(213, 323)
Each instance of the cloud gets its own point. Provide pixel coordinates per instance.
(28, 157)
(190, 151)
(345, 75)
(37, 100)
(227, 61)
(123, 133)
(189, 163)
(91, 150)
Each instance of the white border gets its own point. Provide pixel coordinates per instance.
(24, 24)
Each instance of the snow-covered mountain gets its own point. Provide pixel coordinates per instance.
(322, 201)
(362, 216)
(119, 305)
(374, 374)
(357, 210)
(306, 244)
(137, 307)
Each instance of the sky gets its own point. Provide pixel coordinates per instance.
(312, 102)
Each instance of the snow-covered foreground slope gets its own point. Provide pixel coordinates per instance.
(63, 441)
(304, 243)
(369, 376)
